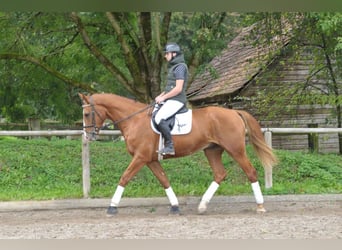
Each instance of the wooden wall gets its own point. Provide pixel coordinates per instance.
(290, 71)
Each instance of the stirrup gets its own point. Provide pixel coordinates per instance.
(167, 151)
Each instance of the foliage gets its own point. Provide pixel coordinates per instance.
(51, 169)
(204, 36)
(46, 57)
(28, 90)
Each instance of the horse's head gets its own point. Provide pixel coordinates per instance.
(93, 117)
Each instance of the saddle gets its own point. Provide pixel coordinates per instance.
(180, 123)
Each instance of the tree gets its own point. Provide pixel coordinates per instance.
(33, 81)
(112, 52)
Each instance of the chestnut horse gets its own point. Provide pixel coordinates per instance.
(214, 130)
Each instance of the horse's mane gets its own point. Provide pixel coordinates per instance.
(103, 98)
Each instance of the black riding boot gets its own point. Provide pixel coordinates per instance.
(168, 144)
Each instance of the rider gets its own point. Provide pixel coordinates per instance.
(173, 97)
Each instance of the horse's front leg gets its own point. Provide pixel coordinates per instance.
(133, 168)
(158, 171)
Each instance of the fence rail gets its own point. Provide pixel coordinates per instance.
(53, 132)
(117, 132)
(303, 130)
(85, 144)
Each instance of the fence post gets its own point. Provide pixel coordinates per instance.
(33, 125)
(85, 167)
(268, 171)
(313, 139)
(268, 138)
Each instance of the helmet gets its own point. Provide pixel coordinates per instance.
(172, 47)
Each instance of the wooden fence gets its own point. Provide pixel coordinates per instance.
(85, 144)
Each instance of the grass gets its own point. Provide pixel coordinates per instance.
(40, 169)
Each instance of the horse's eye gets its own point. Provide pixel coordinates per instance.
(86, 114)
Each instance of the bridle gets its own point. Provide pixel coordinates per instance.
(95, 129)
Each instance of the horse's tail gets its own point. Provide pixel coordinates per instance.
(263, 151)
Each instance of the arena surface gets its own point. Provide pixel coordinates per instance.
(287, 217)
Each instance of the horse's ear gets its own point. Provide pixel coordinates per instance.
(83, 98)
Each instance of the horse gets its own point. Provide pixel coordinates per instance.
(214, 130)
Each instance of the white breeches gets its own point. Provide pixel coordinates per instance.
(169, 108)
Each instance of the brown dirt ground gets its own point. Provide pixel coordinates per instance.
(301, 217)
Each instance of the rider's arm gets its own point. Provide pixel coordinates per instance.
(175, 91)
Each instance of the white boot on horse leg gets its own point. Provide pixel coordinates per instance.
(258, 197)
(173, 201)
(113, 208)
(202, 208)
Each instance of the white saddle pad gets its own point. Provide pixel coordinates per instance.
(183, 124)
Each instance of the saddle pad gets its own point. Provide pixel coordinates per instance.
(183, 124)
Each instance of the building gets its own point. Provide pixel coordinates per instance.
(254, 77)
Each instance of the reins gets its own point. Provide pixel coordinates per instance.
(120, 120)
(123, 119)
(133, 114)
(94, 111)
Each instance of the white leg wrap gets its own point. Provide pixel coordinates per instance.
(172, 197)
(117, 196)
(207, 197)
(210, 192)
(257, 193)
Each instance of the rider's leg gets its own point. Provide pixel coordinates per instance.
(168, 143)
(168, 109)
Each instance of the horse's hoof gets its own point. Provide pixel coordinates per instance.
(260, 209)
(112, 211)
(174, 210)
(202, 208)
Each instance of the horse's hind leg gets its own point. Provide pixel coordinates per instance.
(213, 155)
(158, 171)
(240, 156)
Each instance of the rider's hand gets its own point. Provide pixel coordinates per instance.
(159, 99)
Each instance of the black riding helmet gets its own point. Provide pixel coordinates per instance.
(172, 47)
